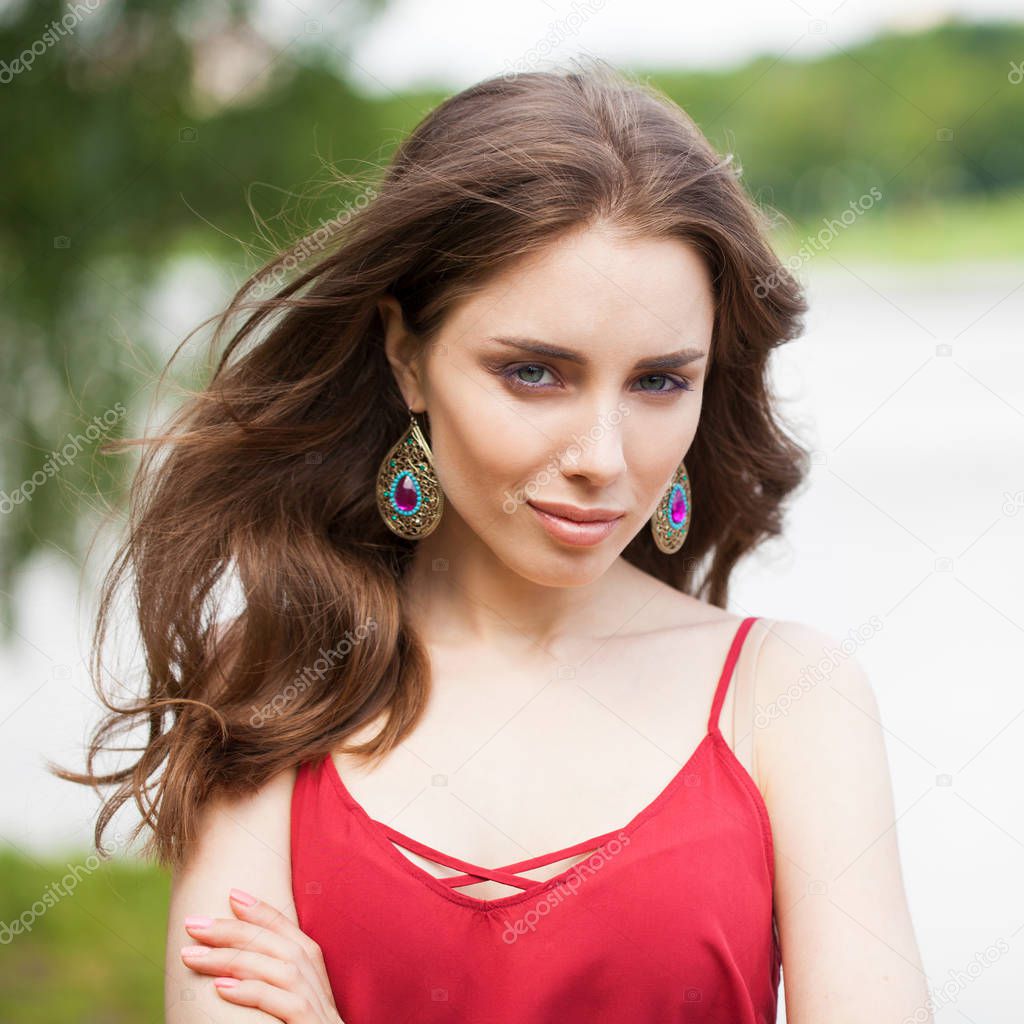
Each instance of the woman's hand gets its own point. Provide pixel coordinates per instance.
(263, 960)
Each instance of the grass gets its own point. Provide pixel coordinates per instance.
(967, 230)
(91, 945)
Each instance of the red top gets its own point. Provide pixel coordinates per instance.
(670, 918)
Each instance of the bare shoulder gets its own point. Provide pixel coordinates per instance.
(811, 691)
(242, 843)
(844, 921)
(819, 747)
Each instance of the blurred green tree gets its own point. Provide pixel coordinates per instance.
(132, 135)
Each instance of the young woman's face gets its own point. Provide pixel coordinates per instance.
(573, 379)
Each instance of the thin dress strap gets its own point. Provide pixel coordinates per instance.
(730, 662)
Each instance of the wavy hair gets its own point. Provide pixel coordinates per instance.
(265, 477)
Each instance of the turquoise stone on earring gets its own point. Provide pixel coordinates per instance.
(670, 523)
(677, 510)
(405, 494)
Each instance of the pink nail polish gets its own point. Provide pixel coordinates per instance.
(194, 950)
(225, 982)
(241, 896)
(198, 922)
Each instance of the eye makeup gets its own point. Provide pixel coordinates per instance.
(515, 383)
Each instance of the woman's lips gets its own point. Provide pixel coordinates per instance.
(571, 532)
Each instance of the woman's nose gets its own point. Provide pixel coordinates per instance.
(596, 453)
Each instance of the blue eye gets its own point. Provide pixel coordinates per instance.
(516, 382)
(511, 376)
(681, 383)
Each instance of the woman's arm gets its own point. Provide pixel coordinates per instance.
(849, 951)
(243, 844)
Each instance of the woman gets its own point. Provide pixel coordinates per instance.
(480, 743)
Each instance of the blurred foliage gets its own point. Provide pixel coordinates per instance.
(117, 159)
(157, 129)
(927, 117)
(90, 941)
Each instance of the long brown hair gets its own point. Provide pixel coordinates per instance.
(266, 477)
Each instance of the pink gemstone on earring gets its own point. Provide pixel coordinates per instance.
(405, 494)
(677, 510)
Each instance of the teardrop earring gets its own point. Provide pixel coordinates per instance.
(409, 495)
(671, 520)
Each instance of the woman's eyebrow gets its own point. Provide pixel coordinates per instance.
(668, 361)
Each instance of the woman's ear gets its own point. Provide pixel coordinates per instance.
(402, 348)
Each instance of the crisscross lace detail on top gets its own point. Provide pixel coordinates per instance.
(504, 874)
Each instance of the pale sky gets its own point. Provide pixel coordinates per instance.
(453, 43)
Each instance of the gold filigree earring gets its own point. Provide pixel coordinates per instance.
(671, 520)
(409, 495)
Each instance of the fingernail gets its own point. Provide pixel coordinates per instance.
(225, 982)
(198, 922)
(241, 896)
(194, 950)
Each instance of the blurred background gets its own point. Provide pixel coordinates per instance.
(156, 153)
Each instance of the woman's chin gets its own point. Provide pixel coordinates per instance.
(547, 566)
